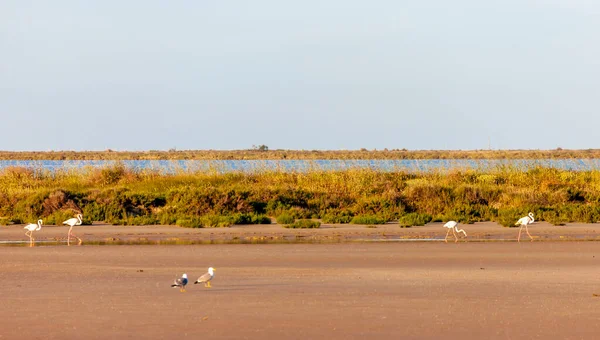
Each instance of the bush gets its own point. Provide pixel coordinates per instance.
(304, 224)
(337, 218)
(368, 219)
(414, 219)
(251, 219)
(285, 218)
(189, 223)
(555, 218)
(508, 217)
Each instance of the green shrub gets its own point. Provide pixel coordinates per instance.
(368, 219)
(414, 219)
(337, 218)
(285, 218)
(508, 217)
(251, 219)
(189, 223)
(554, 218)
(136, 220)
(304, 224)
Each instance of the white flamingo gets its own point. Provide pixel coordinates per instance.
(31, 228)
(524, 221)
(73, 222)
(452, 225)
(206, 278)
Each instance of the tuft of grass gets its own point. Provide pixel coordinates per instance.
(190, 223)
(304, 224)
(285, 218)
(337, 218)
(368, 219)
(414, 219)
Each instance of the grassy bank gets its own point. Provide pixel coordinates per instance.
(202, 199)
(301, 154)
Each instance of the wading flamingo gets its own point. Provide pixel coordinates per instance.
(206, 278)
(31, 228)
(452, 225)
(524, 221)
(181, 282)
(73, 222)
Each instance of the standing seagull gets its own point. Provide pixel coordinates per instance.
(73, 222)
(524, 221)
(181, 282)
(206, 278)
(31, 228)
(452, 225)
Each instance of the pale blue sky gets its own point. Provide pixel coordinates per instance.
(311, 74)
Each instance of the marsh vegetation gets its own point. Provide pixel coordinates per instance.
(120, 195)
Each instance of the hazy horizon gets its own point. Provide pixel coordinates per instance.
(316, 75)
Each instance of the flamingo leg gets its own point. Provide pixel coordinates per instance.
(519, 238)
(69, 236)
(455, 237)
(79, 240)
(527, 230)
(446, 238)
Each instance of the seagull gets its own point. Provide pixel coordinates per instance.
(452, 225)
(181, 282)
(31, 228)
(206, 278)
(524, 221)
(73, 222)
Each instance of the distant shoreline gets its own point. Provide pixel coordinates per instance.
(254, 154)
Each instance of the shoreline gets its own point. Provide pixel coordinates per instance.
(256, 154)
(106, 234)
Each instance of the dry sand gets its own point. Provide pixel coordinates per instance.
(429, 290)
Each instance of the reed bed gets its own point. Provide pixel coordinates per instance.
(213, 198)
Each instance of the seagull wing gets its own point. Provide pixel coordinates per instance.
(178, 282)
(204, 278)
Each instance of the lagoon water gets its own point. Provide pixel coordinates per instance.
(411, 165)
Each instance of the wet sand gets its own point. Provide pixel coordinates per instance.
(274, 233)
(427, 290)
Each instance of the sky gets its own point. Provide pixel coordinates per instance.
(304, 75)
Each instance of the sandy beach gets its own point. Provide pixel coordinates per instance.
(385, 290)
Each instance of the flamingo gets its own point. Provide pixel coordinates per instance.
(452, 225)
(181, 282)
(73, 222)
(206, 278)
(31, 228)
(524, 221)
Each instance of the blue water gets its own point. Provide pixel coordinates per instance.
(169, 166)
